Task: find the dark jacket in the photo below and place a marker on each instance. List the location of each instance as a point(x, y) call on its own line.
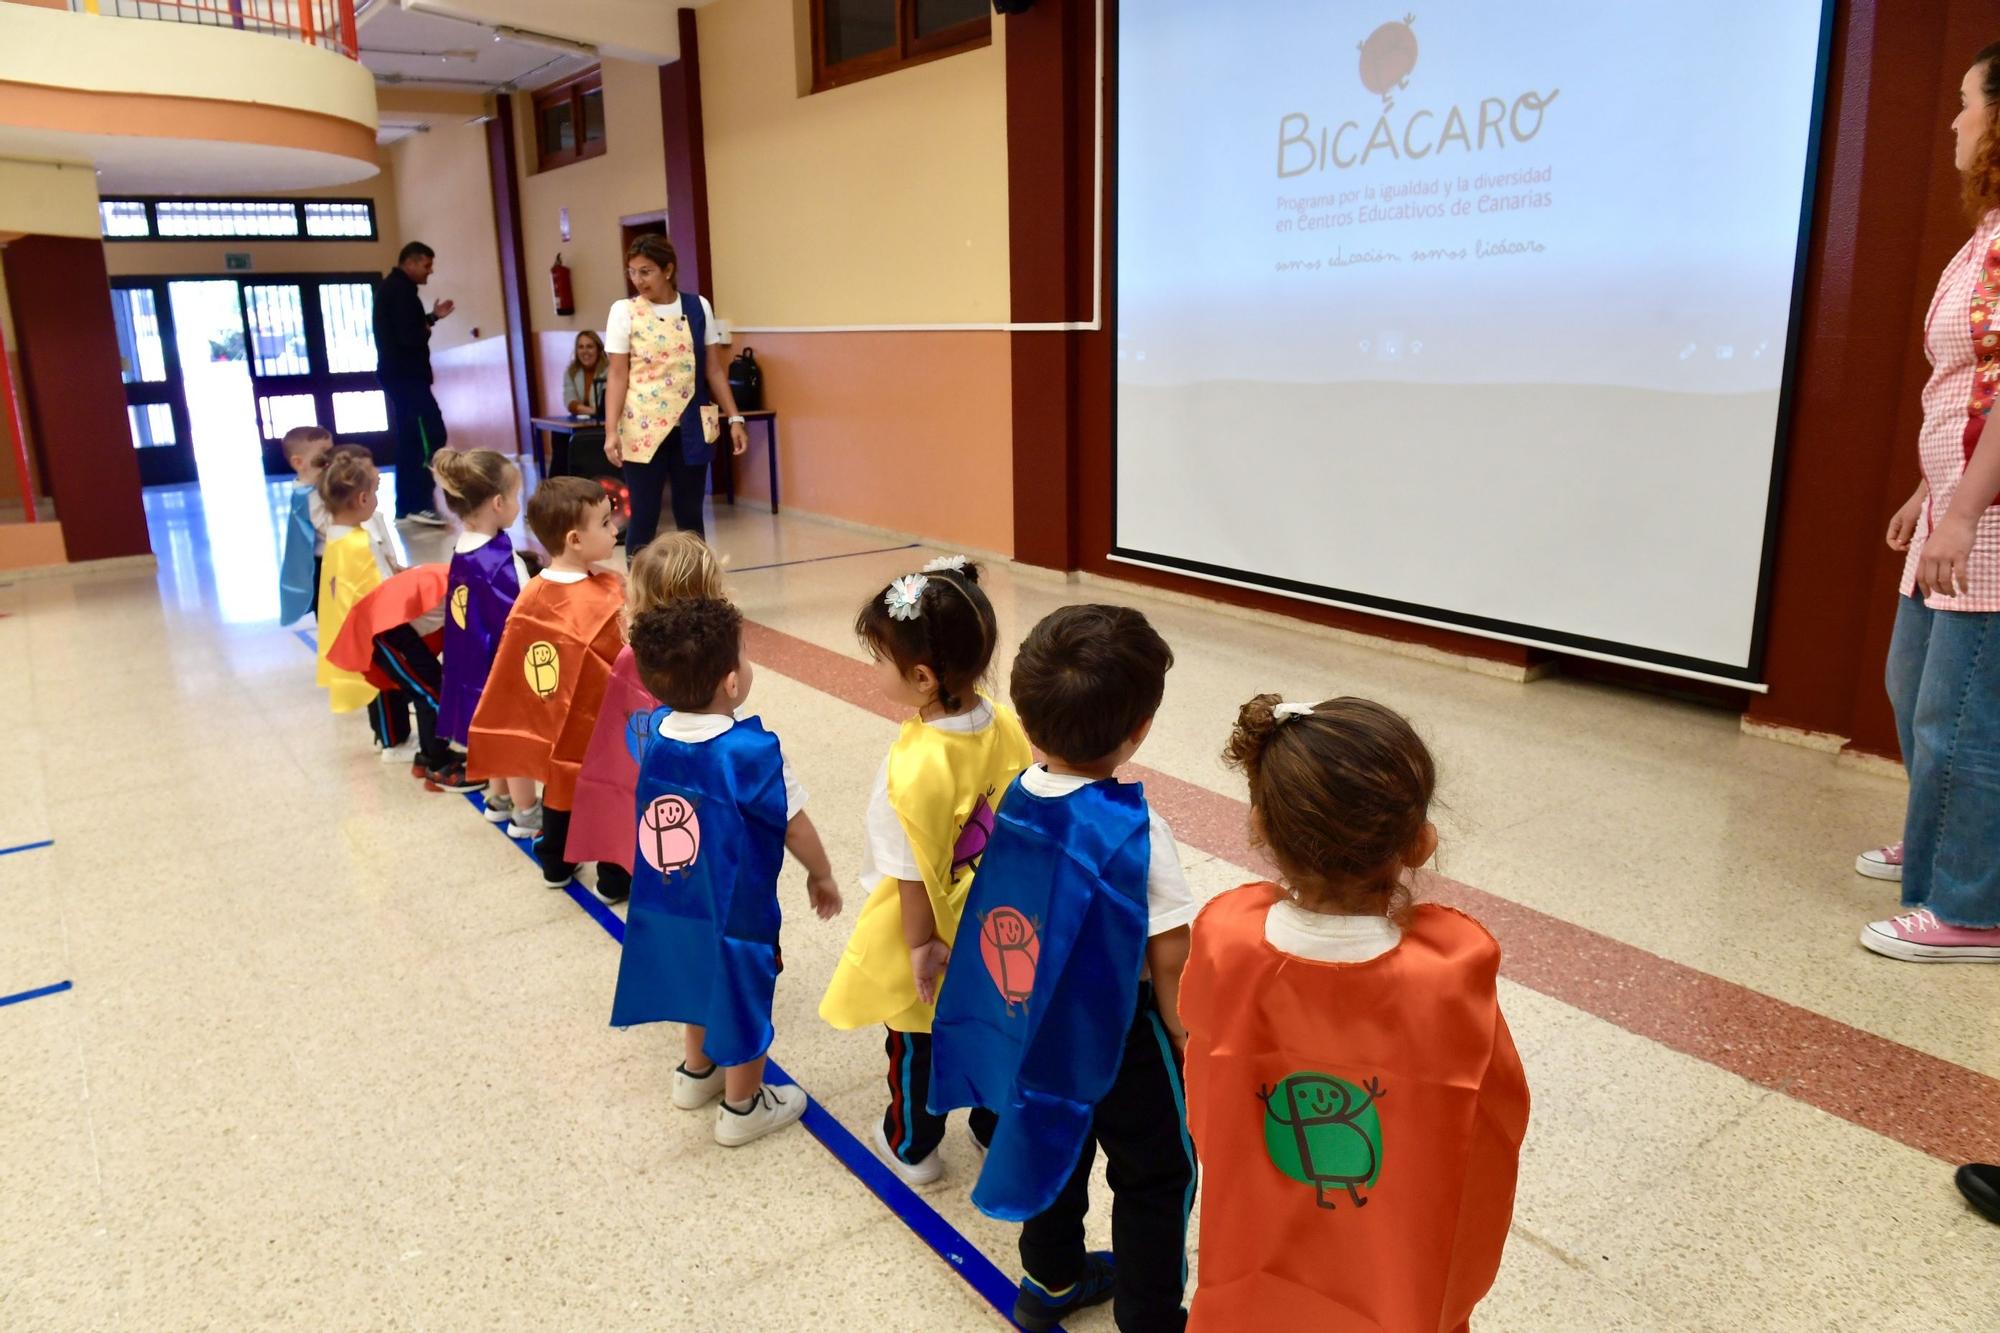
point(402, 331)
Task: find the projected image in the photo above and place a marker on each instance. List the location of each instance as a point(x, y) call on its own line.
point(1474, 314)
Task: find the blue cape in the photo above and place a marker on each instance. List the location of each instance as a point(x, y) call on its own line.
point(701, 929)
point(1032, 1017)
point(295, 568)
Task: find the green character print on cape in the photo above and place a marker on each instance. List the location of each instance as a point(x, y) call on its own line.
point(1325, 1132)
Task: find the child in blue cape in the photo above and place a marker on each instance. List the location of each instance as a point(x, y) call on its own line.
point(1060, 1006)
point(714, 815)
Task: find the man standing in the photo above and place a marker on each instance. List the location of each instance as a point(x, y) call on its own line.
point(403, 364)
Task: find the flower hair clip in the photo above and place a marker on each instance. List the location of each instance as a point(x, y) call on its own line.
point(905, 597)
point(954, 564)
point(1286, 712)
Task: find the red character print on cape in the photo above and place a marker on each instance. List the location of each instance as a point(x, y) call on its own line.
point(972, 839)
point(1388, 58)
point(669, 834)
point(1011, 950)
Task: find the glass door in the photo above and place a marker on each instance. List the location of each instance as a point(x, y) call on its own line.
point(312, 361)
point(155, 398)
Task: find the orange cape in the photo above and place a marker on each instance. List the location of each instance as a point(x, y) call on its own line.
point(540, 703)
point(1359, 1125)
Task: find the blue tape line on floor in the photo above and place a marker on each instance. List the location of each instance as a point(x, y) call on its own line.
point(816, 559)
point(307, 638)
point(28, 847)
point(56, 989)
point(965, 1259)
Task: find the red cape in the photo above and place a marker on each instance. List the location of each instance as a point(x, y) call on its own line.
point(540, 703)
point(397, 600)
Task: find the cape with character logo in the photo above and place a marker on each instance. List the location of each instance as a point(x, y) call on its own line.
point(1359, 1124)
point(549, 673)
point(942, 785)
point(701, 930)
point(484, 587)
point(1032, 1018)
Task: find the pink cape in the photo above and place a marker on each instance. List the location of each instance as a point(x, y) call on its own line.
point(602, 825)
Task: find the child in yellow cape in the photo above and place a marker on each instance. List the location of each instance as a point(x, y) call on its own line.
point(932, 635)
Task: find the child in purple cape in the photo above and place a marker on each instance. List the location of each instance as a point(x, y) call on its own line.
point(484, 490)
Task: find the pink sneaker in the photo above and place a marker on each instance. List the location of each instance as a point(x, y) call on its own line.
point(1882, 863)
point(1919, 937)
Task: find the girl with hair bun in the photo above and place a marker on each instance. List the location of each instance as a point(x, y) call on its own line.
point(1346, 1049)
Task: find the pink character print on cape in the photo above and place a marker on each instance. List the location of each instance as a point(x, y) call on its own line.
point(670, 834)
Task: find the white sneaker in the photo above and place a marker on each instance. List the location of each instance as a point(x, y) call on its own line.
point(429, 518)
point(925, 1172)
point(692, 1092)
point(499, 810)
point(406, 753)
point(526, 823)
point(770, 1110)
point(1882, 863)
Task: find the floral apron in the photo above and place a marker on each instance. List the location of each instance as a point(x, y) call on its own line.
point(665, 388)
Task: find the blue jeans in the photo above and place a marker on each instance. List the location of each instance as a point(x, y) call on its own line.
point(1944, 683)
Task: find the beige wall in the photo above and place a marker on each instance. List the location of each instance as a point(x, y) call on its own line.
point(630, 178)
point(444, 198)
point(884, 202)
point(134, 258)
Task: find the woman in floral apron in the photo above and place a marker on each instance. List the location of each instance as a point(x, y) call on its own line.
point(667, 394)
point(1944, 656)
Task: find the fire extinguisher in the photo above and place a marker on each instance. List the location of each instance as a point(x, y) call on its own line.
point(559, 279)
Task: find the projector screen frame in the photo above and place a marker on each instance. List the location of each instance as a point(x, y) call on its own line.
point(1748, 677)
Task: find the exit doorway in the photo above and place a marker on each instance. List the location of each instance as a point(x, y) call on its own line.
point(216, 370)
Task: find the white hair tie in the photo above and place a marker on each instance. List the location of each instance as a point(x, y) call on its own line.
point(953, 563)
point(1286, 712)
point(905, 597)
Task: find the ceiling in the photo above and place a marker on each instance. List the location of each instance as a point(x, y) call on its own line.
point(134, 164)
point(404, 48)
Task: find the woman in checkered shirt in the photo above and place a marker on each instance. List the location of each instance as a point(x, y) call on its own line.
point(1944, 658)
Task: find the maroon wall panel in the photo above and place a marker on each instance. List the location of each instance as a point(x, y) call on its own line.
point(522, 373)
point(74, 396)
point(687, 164)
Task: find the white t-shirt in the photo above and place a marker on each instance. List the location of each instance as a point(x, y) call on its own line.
point(564, 575)
point(1329, 939)
point(1170, 902)
point(697, 728)
point(887, 853)
point(618, 324)
point(468, 542)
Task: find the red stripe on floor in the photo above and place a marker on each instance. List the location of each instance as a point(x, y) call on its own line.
point(1931, 1104)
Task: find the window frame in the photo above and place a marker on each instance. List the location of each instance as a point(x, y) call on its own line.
point(150, 203)
point(909, 50)
point(572, 91)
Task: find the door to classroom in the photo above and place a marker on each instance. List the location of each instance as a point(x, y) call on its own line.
point(218, 369)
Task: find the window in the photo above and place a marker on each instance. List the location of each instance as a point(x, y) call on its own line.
point(858, 39)
point(569, 121)
point(237, 219)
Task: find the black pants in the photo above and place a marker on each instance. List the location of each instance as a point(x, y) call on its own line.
point(420, 433)
point(318, 563)
point(665, 472)
point(1142, 1126)
point(402, 655)
point(554, 842)
point(912, 1131)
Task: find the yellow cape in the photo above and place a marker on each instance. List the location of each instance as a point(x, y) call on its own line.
point(936, 780)
point(348, 573)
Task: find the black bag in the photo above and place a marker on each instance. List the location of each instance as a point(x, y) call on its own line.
point(746, 381)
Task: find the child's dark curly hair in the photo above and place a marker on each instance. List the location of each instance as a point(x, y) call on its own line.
point(1341, 795)
point(686, 649)
point(953, 632)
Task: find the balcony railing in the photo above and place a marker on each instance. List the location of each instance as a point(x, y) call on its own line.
point(322, 23)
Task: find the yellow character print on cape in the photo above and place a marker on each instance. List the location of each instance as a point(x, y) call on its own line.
point(458, 600)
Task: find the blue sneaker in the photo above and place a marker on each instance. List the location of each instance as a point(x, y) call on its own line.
point(1037, 1311)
